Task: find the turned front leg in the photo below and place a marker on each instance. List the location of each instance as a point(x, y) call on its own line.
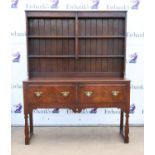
point(31, 122)
point(27, 135)
point(126, 137)
point(121, 121)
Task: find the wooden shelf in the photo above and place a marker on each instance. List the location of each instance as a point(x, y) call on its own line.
point(50, 37)
point(73, 37)
point(101, 37)
point(51, 56)
point(79, 44)
point(73, 56)
point(101, 56)
point(75, 74)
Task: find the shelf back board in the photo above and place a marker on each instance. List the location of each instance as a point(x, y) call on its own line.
point(76, 43)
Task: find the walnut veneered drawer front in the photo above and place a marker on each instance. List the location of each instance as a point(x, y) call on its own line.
point(51, 95)
point(102, 93)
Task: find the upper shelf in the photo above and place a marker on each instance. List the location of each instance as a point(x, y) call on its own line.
point(72, 14)
point(72, 37)
point(73, 56)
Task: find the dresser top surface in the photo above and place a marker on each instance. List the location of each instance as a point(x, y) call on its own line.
point(76, 79)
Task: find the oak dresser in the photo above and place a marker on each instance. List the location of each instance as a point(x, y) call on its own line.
point(76, 60)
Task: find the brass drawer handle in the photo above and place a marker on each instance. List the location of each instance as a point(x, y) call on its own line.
point(88, 93)
point(65, 93)
point(38, 93)
point(115, 92)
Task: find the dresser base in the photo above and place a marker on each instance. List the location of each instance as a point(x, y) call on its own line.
point(77, 94)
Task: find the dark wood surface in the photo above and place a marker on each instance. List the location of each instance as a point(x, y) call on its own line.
point(76, 60)
point(88, 44)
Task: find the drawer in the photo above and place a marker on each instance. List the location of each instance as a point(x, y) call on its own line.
point(56, 95)
point(102, 93)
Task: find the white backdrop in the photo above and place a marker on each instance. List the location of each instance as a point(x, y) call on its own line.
point(134, 62)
